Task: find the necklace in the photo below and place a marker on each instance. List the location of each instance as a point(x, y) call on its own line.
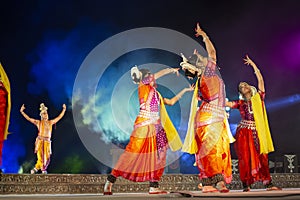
point(249, 107)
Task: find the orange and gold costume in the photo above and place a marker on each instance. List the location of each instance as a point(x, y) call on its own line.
point(43, 140)
point(144, 158)
point(43, 143)
point(208, 135)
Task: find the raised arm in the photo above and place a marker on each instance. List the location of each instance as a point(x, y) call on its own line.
point(208, 44)
point(34, 121)
point(55, 120)
point(165, 72)
point(172, 101)
point(261, 84)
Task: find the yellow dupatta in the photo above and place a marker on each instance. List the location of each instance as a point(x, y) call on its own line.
point(190, 144)
point(230, 136)
point(6, 84)
point(174, 140)
point(262, 125)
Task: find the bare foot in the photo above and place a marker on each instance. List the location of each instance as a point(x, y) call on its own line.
point(208, 189)
point(221, 187)
point(107, 188)
point(154, 190)
point(273, 188)
point(200, 186)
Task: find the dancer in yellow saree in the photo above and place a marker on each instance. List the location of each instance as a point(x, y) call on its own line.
point(208, 135)
point(144, 158)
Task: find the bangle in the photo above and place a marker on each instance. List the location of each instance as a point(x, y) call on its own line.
point(204, 38)
point(256, 71)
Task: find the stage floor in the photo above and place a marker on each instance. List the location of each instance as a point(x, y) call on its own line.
point(258, 194)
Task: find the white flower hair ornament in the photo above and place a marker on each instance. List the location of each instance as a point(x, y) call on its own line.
point(187, 66)
point(135, 74)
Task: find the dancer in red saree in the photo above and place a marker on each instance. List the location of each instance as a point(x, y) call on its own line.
point(5, 106)
point(253, 138)
point(144, 158)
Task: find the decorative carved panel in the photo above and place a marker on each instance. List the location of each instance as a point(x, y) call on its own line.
point(93, 183)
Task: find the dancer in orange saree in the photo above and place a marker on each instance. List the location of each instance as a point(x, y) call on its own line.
point(5, 106)
point(253, 138)
point(144, 158)
point(208, 135)
point(43, 140)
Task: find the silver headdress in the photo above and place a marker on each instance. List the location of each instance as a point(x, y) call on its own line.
point(186, 65)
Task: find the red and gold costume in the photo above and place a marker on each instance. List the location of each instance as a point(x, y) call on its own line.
point(144, 158)
point(208, 133)
point(253, 140)
point(5, 106)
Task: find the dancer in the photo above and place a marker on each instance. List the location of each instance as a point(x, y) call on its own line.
point(208, 135)
point(5, 106)
point(43, 140)
point(144, 158)
point(253, 138)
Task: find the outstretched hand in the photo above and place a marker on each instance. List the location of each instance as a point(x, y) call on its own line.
point(176, 71)
point(199, 31)
point(22, 108)
point(64, 106)
point(191, 88)
point(184, 59)
point(196, 52)
point(248, 61)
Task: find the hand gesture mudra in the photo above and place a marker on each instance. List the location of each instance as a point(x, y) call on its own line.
point(248, 61)
point(191, 88)
point(176, 71)
point(22, 108)
point(199, 31)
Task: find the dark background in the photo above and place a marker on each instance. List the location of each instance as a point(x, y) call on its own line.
point(43, 43)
